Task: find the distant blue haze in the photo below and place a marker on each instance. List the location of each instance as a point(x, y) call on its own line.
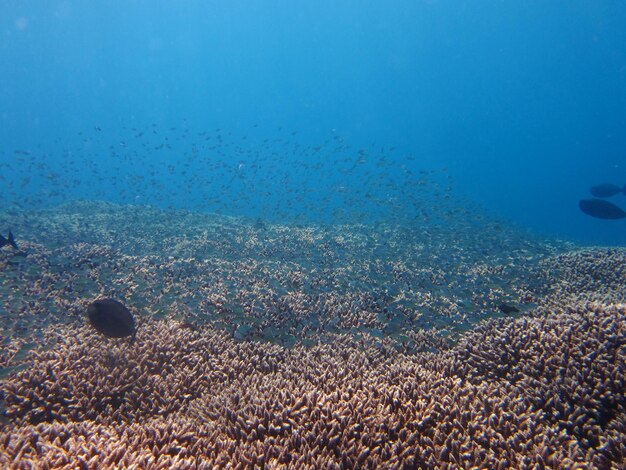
point(524, 102)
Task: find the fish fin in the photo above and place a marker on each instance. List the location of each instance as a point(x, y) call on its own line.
point(12, 241)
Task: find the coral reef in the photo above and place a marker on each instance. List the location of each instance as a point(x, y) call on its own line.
point(276, 283)
point(276, 346)
point(543, 392)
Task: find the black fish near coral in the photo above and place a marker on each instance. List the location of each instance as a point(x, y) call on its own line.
point(505, 308)
point(606, 190)
point(10, 240)
point(601, 209)
point(112, 318)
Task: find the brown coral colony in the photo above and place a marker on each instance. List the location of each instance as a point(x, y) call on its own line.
point(545, 391)
point(302, 366)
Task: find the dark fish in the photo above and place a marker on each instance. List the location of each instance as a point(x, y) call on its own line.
point(8, 241)
point(607, 190)
point(189, 325)
point(111, 318)
point(601, 209)
point(505, 308)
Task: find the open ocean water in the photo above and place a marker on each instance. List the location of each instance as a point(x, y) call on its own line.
point(287, 234)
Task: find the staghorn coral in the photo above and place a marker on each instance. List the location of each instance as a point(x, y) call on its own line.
point(570, 366)
point(596, 275)
point(279, 283)
point(534, 392)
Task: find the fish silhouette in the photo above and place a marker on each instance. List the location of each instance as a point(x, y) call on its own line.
point(606, 190)
point(112, 318)
point(10, 240)
point(601, 209)
point(506, 308)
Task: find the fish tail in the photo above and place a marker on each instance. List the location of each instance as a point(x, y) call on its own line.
point(12, 241)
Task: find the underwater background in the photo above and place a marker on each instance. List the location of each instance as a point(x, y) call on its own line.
point(331, 234)
point(521, 103)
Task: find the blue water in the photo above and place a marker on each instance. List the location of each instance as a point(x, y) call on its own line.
point(515, 106)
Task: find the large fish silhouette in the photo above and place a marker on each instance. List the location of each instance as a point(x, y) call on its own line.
point(606, 190)
point(601, 209)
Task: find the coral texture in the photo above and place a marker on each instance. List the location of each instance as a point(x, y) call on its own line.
point(544, 392)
